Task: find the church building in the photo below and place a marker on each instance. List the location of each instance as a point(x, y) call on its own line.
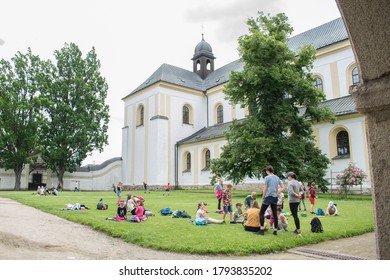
point(174, 121)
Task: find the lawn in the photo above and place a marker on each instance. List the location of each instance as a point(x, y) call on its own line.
point(165, 233)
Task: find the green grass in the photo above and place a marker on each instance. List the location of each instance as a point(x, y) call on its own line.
point(164, 233)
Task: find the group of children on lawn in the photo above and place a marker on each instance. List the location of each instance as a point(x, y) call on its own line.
point(134, 206)
point(251, 217)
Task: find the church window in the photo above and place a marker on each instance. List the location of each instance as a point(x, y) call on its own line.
point(140, 115)
point(186, 115)
point(187, 162)
point(355, 76)
point(318, 83)
point(219, 114)
point(207, 160)
point(342, 140)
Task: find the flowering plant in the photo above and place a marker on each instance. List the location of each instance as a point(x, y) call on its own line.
point(351, 176)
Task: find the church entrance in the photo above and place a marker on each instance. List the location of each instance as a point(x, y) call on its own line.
point(36, 181)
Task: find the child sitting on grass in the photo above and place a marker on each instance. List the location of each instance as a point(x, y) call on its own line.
point(238, 215)
point(139, 213)
point(282, 221)
point(121, 212)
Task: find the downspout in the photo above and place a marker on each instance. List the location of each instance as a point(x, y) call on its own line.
point(207, 108)
point(176, 166)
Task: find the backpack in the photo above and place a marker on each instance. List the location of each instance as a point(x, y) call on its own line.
point(177, 214)
point(200, 222)
point(165, 211)
point(316, 225)
point(320, 212)
point(180, 214)
point(184, 214)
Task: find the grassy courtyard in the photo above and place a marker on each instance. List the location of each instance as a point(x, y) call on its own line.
point(165, 233)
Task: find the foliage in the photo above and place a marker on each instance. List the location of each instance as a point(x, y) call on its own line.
point(276, 87)
point(350, 177)
point(20, 111)
point(164, 233)
point(77, 115)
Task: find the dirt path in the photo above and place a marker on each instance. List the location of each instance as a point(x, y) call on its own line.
point(35, 238)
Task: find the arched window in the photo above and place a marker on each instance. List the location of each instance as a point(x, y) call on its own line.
point(318, 83)
point(188, 162)
point(186, 115)
point(140, 115)
point(219, 114)
point(355, 76)
point(342, 140)
point(207, 160)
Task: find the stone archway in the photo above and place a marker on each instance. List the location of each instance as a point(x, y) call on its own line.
point(367, 23)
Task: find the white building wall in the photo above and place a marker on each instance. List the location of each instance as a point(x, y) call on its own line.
point(338, 62)
point(358, 146)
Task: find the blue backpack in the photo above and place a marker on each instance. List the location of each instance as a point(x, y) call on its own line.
point(320, 212)
point(200, 222)
point(165, 211)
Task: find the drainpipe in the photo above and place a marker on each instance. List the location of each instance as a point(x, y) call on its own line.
point(207, 108)
point(176, 166)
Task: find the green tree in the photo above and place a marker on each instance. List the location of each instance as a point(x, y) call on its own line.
point(20, 111)
point(276, 86)
point(77, 115)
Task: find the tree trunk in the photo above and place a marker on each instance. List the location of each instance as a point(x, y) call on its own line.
point(61, 171)
point(18, 175)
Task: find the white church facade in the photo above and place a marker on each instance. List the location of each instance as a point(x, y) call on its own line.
point(174, 121)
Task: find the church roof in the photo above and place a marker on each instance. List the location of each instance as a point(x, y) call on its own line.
point(319, 37)
point(339, 106)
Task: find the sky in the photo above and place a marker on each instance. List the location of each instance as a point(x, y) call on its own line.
point(133, 38)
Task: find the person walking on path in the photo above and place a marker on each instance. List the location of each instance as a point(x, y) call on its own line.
point(273, 186)
point(294, 198)
point(312, 198)
point(218, 192)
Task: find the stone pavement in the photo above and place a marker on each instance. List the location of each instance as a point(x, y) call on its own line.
point(42, 236)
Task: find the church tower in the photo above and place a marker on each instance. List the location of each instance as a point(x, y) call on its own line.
point(203, 59)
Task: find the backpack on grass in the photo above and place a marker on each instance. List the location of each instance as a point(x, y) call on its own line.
point(180, 214)
point(320, 212)
point(166, 211)
point(200, 222)
point(316, 225)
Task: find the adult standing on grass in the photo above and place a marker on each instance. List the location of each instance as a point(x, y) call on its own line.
point(145, 187)
point(312, 198)
point(294, 199)
point(119, 188)
point(218, 192)
point(273, 186)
